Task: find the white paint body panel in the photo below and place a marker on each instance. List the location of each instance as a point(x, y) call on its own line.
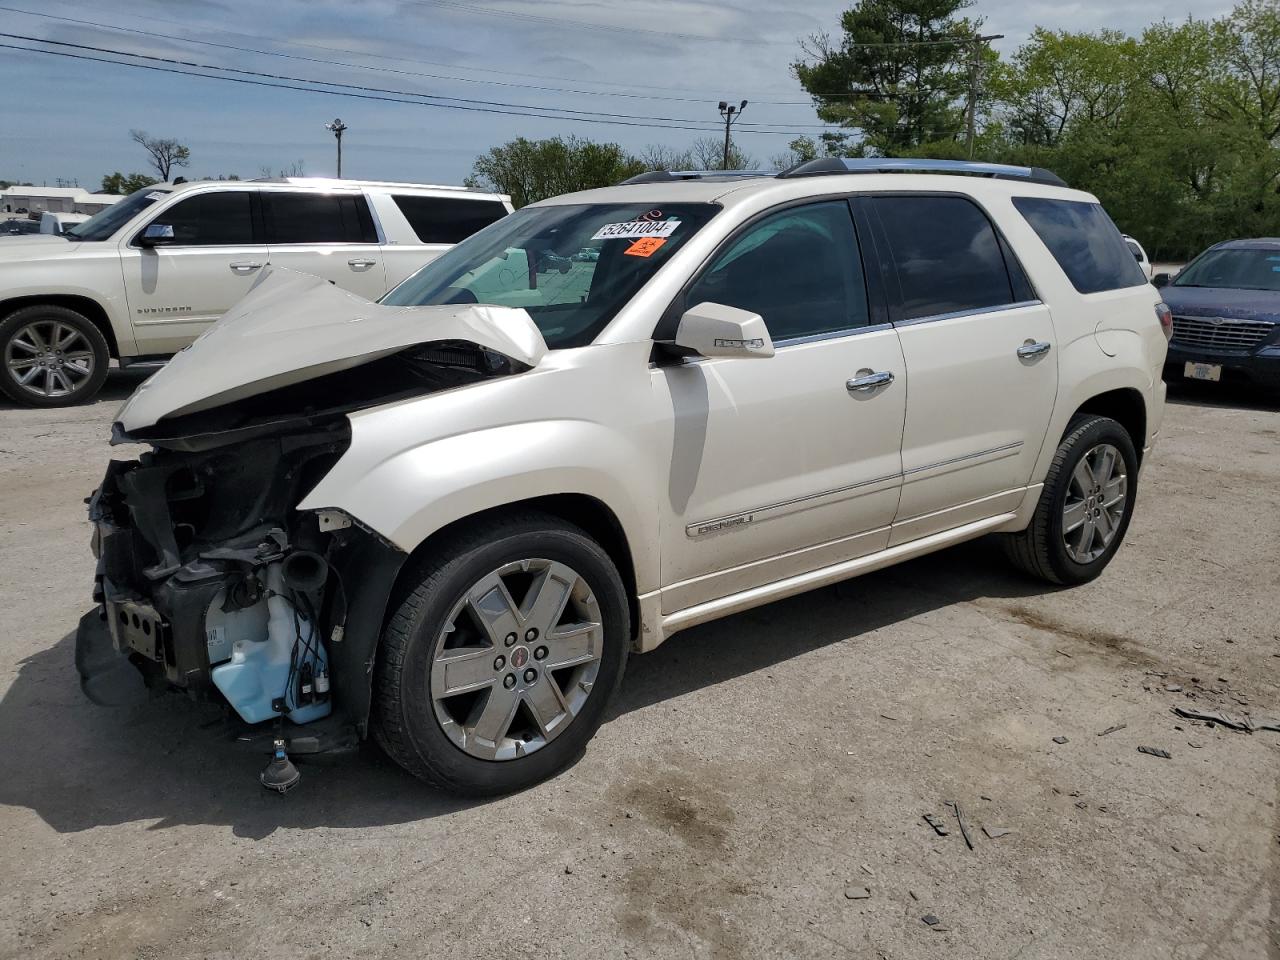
point(734, 481)
point(156, 301)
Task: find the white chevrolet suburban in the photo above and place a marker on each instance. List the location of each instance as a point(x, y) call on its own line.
point(447, 518)
point(143, 278)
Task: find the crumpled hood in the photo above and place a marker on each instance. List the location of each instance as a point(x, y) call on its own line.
point(293, 327)
point(1222, 302)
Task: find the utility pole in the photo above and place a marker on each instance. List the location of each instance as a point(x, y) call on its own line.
point(337, 126)
point(975, 67)
point(729, 113)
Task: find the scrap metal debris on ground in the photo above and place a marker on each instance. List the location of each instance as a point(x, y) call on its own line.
point(939, 827)
point(1232, 721)
point(1156, 752)
point(964, 826)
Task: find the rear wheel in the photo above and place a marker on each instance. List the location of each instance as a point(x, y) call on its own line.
point(52, 356)
point(1085, 507)
point(497, 667)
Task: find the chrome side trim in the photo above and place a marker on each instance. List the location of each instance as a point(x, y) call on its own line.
point(735, 603)
point(977, 311)
point(1008, 447)
point(833, 335)
point(704, 527)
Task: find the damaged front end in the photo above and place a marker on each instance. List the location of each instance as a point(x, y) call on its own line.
point(209, 580)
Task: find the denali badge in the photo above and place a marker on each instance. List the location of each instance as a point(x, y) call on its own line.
point(714, 526)
point(755, 343)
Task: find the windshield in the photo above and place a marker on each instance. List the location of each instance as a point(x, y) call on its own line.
point(571, 267)
point(108, 220)
point(1241, 269)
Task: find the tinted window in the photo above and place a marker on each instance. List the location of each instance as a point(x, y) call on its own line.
point(110, 219)
point(317, 218)
point(947, 255)
point(799, 269)
point(448, 219)
point(1084, 241)
point(572, 267)
point(210, 219)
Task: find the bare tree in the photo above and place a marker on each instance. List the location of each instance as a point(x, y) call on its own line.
point(296, 169)
point(165, 153)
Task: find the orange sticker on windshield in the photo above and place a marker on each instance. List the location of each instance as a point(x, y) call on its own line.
point(645, 247)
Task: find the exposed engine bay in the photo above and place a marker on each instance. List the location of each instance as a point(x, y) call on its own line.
point(210, 582)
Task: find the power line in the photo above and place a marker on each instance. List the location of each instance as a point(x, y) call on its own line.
point(451, 77)
point(368, 89)
point(378, 56)
point(676, 124)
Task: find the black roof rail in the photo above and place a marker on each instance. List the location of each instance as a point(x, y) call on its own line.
point(829, 166)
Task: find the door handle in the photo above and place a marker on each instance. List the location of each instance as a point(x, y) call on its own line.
point(867, 383)
point(1032, 349)
point(358, 262)
point(244, 266)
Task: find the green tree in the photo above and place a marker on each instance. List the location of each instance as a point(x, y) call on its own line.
point(532, 170)
point(898, 76)
point(125, 183)
point(166, 153)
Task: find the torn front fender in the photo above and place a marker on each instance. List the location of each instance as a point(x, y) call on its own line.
point(293, 327)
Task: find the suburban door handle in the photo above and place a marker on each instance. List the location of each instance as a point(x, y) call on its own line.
point(1032, 349)
point(869, 382)
point(244, 266)
point(360, 262)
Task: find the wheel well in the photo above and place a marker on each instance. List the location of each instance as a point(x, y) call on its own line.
point(596, 519)
point(1124, 406)
point(85, 305)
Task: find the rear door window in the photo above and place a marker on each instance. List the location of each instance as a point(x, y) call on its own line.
point(211, 219)
point(317, 218)
point(1088, 247)
point(447, 219)
point(947, 256)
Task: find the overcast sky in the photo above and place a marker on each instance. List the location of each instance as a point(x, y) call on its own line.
point(665, 61)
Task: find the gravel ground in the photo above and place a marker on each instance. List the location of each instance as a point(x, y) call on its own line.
point(754, 773)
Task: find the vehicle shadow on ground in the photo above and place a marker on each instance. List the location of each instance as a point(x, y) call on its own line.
point(77, 765)
point(120, 383)
point(1222, 395)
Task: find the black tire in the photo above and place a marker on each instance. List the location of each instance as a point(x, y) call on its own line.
point(1040, 550)
point(83, 388)
point(404, 718)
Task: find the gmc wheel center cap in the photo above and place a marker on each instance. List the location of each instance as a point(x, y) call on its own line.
point(519, 657)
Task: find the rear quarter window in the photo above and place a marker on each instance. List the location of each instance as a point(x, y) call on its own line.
point(1088, 247)
point(447, 219)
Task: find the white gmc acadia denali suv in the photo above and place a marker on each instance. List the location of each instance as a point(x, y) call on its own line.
point(447, 518)
point(145, 277)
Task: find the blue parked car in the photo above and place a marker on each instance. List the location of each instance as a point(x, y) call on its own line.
point(1226, 314)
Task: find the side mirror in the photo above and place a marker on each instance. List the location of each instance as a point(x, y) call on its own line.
point(1161, 280)
point(716, 330)
point(156, 234)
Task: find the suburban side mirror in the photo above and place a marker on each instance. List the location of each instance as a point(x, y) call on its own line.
point(717, 330)
point(1161, 280)
point(156, 234)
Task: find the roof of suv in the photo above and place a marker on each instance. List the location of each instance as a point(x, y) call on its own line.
point(329, 183)
point(740, 189)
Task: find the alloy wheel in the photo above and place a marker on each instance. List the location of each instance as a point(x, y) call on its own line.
point(1097, 498)
point(49, 358)
point(516, 659)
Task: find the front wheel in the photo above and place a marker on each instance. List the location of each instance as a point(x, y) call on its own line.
point(496, 669)
point(1084, 508)
point(53, 356)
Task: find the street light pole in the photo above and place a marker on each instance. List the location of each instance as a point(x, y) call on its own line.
point(729, 113)
point(337, 126)
point(975, 65)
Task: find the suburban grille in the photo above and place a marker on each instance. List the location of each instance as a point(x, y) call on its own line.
point(1219, 332)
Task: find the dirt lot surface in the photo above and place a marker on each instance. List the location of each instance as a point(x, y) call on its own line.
point(755, 773)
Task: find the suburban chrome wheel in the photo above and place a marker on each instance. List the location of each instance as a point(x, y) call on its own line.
point(1096, 501)
point(49, 358)
point(516, 659)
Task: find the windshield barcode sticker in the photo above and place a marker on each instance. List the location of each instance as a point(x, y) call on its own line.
point(634, 229)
